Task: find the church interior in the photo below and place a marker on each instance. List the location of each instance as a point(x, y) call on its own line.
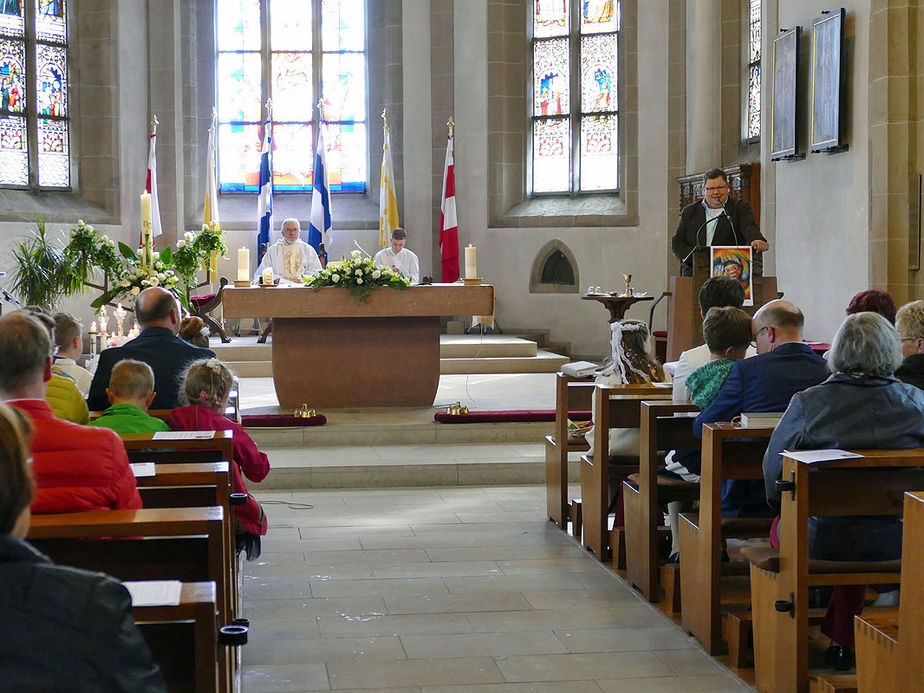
point(406, 555)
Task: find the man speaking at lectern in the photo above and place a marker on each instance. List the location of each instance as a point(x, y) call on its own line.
point(717, 220)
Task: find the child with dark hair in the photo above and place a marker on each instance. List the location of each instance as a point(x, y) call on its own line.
point(206, 386)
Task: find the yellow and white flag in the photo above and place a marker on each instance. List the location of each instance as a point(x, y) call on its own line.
point(388, 201)
point(210, 209)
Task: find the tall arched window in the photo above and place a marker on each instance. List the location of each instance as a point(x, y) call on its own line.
point(575, 111)
point(34, 123)
point(752, 114)
point(293, 52)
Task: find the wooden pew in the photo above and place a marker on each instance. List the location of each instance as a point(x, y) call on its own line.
point(570, 394)
point(889, 650)
point(187, 544)
point(870, 485)
point(644, 495)
point(616, 407)
point(730, 451)
point(184, 638)
point(190, 485)
point(143, 447)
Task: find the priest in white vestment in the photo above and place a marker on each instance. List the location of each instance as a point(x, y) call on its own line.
point(399, 257)
point(290, 257)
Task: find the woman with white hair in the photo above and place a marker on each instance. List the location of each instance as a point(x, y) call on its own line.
point(861, 405)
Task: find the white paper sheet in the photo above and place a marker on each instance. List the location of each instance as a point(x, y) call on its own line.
point(813, 456)
point(140, 469)
point(182, 435)
point(154, 592)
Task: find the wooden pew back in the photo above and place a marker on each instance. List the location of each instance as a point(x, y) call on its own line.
point(143, 447)
point(571, 394)
point(729, 452)
point(615, 407)
point(660, 431)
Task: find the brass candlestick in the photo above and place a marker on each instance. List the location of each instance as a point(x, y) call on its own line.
point(628, 279)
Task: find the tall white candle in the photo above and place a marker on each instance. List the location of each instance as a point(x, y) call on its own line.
point(147, 250)
point(471, 267)
point(243, 264)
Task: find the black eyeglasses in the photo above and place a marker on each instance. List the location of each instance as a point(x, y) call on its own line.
point(754, 336)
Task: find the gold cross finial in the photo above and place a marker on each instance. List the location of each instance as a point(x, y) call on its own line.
point(269, 109)
point(154, 122)
point(452, 124)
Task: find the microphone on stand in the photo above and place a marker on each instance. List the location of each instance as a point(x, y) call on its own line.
point(356, 243)
point(696, 237)
point(734, 230)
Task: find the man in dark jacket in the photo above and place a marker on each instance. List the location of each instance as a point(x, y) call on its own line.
point(158, 314)
point(784, 365)
point(717, 220)
point(909, 321)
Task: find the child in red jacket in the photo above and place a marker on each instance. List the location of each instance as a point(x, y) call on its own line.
point(206, 387)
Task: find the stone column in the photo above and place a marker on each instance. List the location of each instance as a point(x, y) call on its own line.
point(704, 84)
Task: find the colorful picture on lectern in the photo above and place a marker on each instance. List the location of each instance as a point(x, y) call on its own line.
point(735, 262)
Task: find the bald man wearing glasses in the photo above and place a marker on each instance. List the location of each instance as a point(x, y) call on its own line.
point(717, 220)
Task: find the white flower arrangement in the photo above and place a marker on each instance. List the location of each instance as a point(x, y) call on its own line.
point(357, 275)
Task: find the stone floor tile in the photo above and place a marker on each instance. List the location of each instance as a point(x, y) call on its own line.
point(481, 644)
point(414, 672)
point(571, 667)
point(404, 587)
point(545, 687)
point(267, 651)
point(666, 637)
point(491, 602)
point(719, 683)
point(274, 678)
point(412, 624)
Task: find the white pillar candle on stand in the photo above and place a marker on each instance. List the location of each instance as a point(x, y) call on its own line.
point(243, 264)
point(471, 268)
point(147, 249)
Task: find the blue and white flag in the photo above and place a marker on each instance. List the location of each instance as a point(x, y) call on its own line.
point(319, 225)
point(265, 200)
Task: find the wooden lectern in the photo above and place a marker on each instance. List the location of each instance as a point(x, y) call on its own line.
point(685, 324)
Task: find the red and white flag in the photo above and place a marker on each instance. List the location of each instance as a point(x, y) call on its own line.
point(449, 227)
point(150, 186)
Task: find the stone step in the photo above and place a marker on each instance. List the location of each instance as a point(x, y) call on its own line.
point(393, 433)
point(543, 362)
point(451, 346)
point(403, 466)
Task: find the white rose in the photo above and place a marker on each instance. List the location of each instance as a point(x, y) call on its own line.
point(145, 282)
point(158, 265)
point(154, 281)
point(359, 281)
point(376, 274)
point(126, 283)
point(335, 278)
point(81, 223)
point(104, 238)
point(358, 273)
point(356, 254)
point(180, 243)
point(111, 243)
point(135, 291)
point(190, 236)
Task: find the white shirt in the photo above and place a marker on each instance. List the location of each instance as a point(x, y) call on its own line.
point(405, 262)
point(711, 216)
point(80, 375)
point(689, 361)
point(289, 261)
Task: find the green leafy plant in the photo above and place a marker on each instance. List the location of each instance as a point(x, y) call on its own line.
point(193, 251)
point(89, 250)
point(358, 276)
point(44, 273)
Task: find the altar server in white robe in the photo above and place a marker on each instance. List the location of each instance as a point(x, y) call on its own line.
point(290, 257)
point(399, 257)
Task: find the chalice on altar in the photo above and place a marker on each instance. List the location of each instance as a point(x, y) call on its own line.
point(628, 278)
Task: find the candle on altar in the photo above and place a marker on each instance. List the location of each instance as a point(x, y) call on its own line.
point(268, 276)
point(93, 329)
point(102, 320)
point(243, 264)
point(471, 268)
point(147, 240)
point(120, 314)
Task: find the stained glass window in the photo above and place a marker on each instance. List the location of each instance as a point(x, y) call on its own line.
point(292, 52)
point(753, 70)
point(575, 106)
point(34, 94)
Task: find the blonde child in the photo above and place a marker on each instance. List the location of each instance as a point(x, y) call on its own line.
point(206, 386)
point(130, 393)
